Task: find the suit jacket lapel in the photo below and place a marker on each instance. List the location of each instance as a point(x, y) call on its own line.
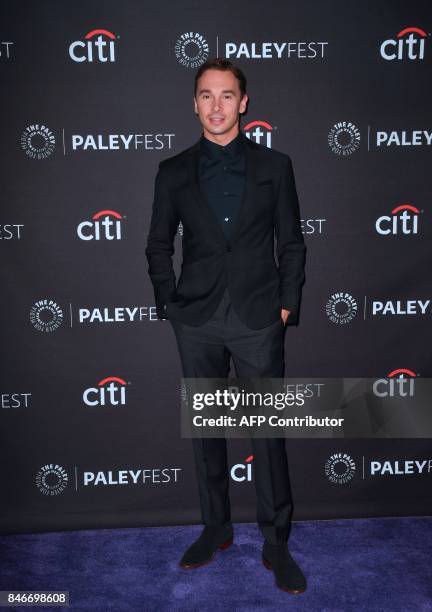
point(251, 173)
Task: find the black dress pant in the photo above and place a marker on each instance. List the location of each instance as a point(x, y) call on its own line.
point(205, 352)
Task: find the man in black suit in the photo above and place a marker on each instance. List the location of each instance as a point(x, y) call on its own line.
point(233, 197)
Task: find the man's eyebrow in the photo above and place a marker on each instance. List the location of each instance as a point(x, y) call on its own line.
point(223, 91)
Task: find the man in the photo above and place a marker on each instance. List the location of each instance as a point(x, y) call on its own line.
point(233, 196)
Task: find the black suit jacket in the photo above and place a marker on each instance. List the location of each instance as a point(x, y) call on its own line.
point(259, 286)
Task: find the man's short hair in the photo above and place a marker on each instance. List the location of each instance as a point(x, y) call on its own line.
point(219, 63)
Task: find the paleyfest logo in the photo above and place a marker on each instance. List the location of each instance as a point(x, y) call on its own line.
point(52, 479)
point(344, 138)
point(191, 49)
point(46, 315)
point(38, 141)
point(98, 45)
point(408, 44)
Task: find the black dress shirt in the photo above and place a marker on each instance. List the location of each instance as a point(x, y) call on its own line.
point(222, 176)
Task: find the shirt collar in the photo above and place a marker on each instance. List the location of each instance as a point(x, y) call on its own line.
point(217, 151)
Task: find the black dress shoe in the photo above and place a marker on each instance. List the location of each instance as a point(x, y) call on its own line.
point(289, 576)
point(204, 548)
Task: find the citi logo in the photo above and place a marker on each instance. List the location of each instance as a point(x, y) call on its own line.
point(110, 391)
point(403, 219)
point(398, 383)
point(98, 45)
point(105, 225)
point(260, 132)
point(409, 44)
point(241, 472)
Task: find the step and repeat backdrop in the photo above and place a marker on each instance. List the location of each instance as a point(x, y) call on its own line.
point(94, 95)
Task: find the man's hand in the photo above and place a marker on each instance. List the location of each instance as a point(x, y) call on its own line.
point(285, 314)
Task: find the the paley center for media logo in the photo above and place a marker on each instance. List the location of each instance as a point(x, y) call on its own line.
point(344, 138)
point(191, 49)
point(341, 308)
point(46, 315)
point(340, 468)
point(51, 479)
point(38, 141)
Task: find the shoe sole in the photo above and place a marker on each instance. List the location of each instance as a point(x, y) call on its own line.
point(223, 546)
point(268, 566)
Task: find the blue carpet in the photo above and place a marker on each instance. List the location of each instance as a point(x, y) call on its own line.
point(351, 565)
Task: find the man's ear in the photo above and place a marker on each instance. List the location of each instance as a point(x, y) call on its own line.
point(243, 103)
point(195, 106)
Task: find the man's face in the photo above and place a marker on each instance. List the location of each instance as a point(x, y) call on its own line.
point(218, 102)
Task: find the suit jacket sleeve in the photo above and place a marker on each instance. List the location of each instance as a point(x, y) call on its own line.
point(160, 244)
point(290, 247)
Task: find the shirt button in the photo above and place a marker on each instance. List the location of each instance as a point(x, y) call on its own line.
point(226, 218)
